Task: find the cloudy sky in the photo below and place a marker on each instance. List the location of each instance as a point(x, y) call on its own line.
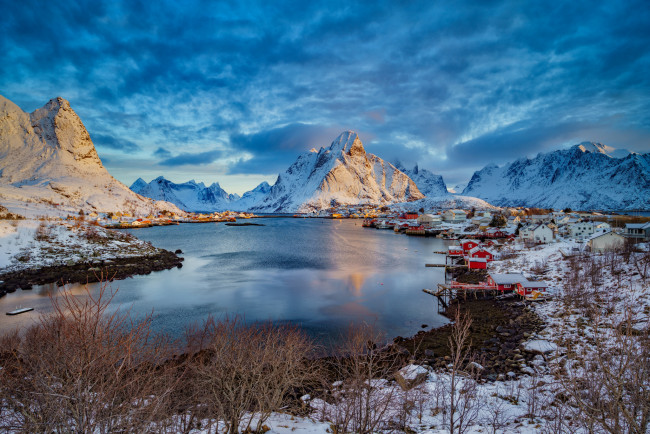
point(233, 91)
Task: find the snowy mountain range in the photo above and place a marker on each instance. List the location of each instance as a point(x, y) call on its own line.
point(48, 165)
point(585, 176)
point(341, 174)
point(196, 197)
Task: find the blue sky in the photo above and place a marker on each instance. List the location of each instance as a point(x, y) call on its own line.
point(234, 91)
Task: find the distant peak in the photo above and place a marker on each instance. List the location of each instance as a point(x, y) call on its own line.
point(594, 147)
point(348, 141)
point(159, 179)
point(313, 150)
point(263, 187)
point(139, 183)
point(599, 148)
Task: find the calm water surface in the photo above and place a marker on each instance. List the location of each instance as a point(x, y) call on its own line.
point(320, 274)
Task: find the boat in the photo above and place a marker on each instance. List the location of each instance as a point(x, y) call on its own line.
point(21, 310)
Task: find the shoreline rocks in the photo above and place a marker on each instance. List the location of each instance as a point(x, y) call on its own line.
point(499, 329)
point(90, 271)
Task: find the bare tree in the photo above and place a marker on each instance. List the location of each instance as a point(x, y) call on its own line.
point(462, 402)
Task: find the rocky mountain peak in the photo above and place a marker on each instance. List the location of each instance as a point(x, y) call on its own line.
point(59, 126)
point(348, 142)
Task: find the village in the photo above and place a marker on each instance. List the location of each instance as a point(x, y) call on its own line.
point(125, 220)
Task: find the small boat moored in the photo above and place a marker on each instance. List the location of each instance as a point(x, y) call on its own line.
point(21, 310)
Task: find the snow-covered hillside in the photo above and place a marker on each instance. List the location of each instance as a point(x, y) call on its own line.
point(48, 165)
point(586, 176)
point(340, 174)
point(188, 196)
point(447, 201)
point(428, 182)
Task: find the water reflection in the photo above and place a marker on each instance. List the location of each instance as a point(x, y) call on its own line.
point(321, 274)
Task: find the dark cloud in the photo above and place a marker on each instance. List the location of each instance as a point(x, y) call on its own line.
point(275, 149)
point(191, 159)
point(162, 153)
point(112, 142)
point(450, 87)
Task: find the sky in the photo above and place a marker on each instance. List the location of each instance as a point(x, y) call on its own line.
point(233, 91)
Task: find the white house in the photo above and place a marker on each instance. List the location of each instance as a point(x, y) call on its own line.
point(601, 242)
point(429, 220)
point(454, 216)
point(541, 233)
point(602, 227)
point(538, 218)
point(581, 230)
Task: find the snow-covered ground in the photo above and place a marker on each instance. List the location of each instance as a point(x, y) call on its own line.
point(40, 243)
point(530, 403)
point(591, 297)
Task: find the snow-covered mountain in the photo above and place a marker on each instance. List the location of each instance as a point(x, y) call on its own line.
point(188, 196)
point(48, 165)
point(428, 182)
point(251, 198)
point(343, 173)
point(585, 176)
point(457, 189)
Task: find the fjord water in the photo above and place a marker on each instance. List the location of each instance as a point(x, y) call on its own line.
point(319, 274)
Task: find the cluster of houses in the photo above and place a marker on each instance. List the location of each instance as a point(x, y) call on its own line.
point(477, 256)
point(599, 236)
point(125, 220)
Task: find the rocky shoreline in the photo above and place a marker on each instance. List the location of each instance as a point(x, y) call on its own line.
point(498, 330)
point(90, 271)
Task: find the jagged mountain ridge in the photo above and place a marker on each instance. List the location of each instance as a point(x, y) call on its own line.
point(342, 174)
point(49, 165)
point(196, 197)
point(585, 176)
point(429, 184)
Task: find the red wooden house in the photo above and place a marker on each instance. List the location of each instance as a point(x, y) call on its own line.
point(532, 290)
point(481, 252)
point(505, 281)
point(409, 216)
point(495, 233)
point(477, 263)
point(469, 245)
point(455, 251)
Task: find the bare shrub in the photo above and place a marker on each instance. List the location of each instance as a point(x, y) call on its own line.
point(43, 232)
point(246, 372)
point(497, 415)
point(360, 402)
point(83, 369)
point(610, 382)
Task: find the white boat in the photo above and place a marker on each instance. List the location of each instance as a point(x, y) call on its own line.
point(21, 310)
point(384, 224)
